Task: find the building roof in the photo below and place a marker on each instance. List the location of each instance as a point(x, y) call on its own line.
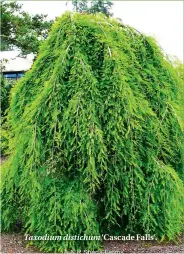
point(12, 62)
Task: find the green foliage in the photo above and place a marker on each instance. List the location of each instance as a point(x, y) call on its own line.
point(98, 137)
point(95, 6)
point(179, 68)
point(21, 30)
point(6, 86)
point(5, 137)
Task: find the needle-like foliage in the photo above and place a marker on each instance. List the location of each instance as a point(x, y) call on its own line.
point(98, 141)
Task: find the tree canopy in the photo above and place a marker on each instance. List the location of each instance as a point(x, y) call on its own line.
point(95, 6)
point(20, 30)
point(98, 141)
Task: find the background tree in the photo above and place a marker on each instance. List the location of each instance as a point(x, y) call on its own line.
point(20, 30)
point(94, 6)
point(101, 6)
point(179, 68)
point(80, 5)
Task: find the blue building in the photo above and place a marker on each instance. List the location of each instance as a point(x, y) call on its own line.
point(13, 75)
point(14, 66)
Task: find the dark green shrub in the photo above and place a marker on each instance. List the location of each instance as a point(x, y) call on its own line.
point(6, 86)
point(99, 141)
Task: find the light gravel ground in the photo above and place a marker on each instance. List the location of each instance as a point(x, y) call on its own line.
point(15, 243)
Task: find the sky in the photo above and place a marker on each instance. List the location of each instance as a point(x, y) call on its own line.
point(161, 19)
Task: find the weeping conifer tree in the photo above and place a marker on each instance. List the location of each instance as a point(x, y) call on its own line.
point(98, 141)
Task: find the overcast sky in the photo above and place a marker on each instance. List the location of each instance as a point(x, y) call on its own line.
point(161, 19)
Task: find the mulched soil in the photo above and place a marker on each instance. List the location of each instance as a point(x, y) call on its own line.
point(15, 243)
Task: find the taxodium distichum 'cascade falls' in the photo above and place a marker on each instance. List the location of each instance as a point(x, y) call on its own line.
point(98, 138)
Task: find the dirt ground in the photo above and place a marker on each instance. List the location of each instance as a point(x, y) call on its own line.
point(15, 243)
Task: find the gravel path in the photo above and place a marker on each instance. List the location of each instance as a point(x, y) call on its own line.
point(143, 247)
point(14, 243)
